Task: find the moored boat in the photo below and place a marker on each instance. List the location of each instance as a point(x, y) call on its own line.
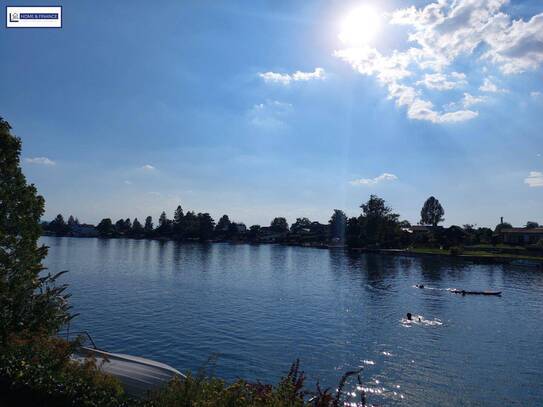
point(137, 375)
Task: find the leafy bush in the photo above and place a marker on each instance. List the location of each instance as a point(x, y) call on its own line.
point(456, 250)
point(39, 371)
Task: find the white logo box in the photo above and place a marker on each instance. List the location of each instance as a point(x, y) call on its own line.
point(34, 17)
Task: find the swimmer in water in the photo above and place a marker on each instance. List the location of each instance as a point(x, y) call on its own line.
point(420, 286)
point(410, 317)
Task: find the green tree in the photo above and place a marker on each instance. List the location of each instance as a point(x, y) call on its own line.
point(279, 225)
point(120, 227)
point(254, 232)
point(432, 212)
point(532, 225)
point(378, 225)
point(59, 226)
point(105, 228)
point(353, 232)
point(223, 224)
point(192, 226)
point(164, 225)
point(137, 228)
point(301, 223)
point(72, 221)
point(178, 220)
point(206, 225)
point(148, 228)
point(29, 300)
point(338, 224)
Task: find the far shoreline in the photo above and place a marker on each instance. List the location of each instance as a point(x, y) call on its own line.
point(479, 257)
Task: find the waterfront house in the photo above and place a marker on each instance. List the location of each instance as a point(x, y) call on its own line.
point(83, 230)
point(522, 235)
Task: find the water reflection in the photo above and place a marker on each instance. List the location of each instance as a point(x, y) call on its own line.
point(261, 307)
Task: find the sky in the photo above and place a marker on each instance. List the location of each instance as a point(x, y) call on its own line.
point(260, 109)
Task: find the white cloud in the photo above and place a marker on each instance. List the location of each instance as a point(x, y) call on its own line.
point(127, 182)
point(536, 94)
point(297, 76)
point(534, 179)
point(518, 47)
point(40, 161)
point(374, 181)
point(440, 81)
point(391, 71)
point(490, 87)
point(270, 115)
point(148, 167)
point(470, 100)
point(441, 32)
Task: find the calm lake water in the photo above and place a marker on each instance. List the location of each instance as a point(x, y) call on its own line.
point(255, 309)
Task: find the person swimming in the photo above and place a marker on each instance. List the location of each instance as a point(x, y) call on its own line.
point(419, 285)
point(410, 317)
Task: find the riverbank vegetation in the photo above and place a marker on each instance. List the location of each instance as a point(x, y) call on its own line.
point(377, 227)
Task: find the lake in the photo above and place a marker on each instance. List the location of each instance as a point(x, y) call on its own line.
point(250, 311)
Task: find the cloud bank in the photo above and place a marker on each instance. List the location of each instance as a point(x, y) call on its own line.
point(385, 177)
point(534, 179)
point(286, 79)
point(437, 36)
point(40, 161)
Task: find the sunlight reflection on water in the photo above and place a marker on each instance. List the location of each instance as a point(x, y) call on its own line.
point(261, 307)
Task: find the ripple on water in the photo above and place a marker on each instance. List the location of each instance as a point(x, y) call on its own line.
point(260, 307)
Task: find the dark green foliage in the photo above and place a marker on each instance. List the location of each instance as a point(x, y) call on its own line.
point(36, 370)
point(206, 226)
point(72, 222)
point(105, 228)
point(301, 223)
point(279, 225)
point(532, 225)
point(223, 224)
point(253, 233)
point(148, 228)
point(164, 228)
point(338, 224)
point(377, 227)
point(28, 299)
point(178, 223)
point(191, 226)
point(137, 228)
point(58, 226)
point(289, 392)
point(432, 212)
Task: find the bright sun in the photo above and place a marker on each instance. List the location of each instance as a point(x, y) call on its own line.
point(359, 26)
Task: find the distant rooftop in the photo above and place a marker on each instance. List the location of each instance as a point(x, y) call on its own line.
point(523, 230)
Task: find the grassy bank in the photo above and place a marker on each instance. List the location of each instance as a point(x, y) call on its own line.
point(472, 254)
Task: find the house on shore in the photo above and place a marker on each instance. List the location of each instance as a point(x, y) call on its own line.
point(83, 230)
point(522, 235)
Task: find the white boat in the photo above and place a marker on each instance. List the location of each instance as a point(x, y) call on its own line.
point(137, 375)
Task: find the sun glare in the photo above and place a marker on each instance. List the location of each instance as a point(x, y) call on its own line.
point(360, 26)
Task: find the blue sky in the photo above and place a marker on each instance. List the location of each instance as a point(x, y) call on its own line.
point(259, 109)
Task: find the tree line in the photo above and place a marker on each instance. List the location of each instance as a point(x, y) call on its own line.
point(377, 226)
